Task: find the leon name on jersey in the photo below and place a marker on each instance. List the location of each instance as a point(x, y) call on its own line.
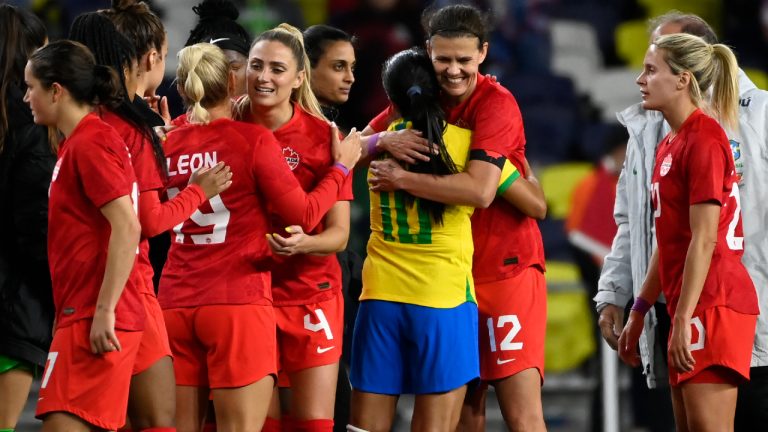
point(189, 163)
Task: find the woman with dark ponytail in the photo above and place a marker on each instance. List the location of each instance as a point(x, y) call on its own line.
point(93, 238)
point(152, 396)
point(417, 278)
point(136, 21)
point(26, 164)
point(218, 25)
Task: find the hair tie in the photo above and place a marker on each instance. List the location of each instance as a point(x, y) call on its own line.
point(413, 90)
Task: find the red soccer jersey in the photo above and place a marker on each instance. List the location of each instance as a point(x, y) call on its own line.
point(696, 167)
point(94, 168)
point(506, 240)
point(220, 254)
point(147, 177)
point(305, 279)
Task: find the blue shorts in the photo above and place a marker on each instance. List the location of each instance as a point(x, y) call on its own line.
point(400, 348)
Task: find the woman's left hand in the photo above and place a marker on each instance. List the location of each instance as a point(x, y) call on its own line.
point(293, 245)
point(680, 356)
point(386, 175)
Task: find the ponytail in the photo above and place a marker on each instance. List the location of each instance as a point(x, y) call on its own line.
point(203, 73)
point(725, 91)
point(712, 67)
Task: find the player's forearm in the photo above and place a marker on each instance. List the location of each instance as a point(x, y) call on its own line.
point(456, 189)
point(697, 262)
point(652, 283)
point(158, 217)
point(331, 240)
point(121, 256)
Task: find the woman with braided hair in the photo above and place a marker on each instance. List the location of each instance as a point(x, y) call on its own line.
point(152, 403)
point(217, 24)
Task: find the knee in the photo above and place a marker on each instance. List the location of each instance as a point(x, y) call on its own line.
point(526, 422)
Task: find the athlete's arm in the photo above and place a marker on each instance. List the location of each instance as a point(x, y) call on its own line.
point(158, 217)
point(297, 207)
point(527, 195)
point(333, 238)
point(704, 218)
point(475, 187)
point(121, 255)
point(405, 145)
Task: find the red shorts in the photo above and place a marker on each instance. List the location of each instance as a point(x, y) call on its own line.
point(512, 324)
point(154, 343)
point(91, 386)
point(222, 346)
point(309, 335)
point(719, 337)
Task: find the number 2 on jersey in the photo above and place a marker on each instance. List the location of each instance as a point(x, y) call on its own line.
point(219, 219)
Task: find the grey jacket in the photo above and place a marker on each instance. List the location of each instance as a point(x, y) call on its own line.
point(625, 266)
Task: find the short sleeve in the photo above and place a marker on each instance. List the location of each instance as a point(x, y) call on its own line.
point(499, 127)
point(705, 167)
point(104, 168)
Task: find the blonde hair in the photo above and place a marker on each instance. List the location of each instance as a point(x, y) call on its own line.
point(292, 38)
point(203, 74)
point(712, 68)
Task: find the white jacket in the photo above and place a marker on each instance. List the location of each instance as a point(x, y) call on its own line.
point(625, 266)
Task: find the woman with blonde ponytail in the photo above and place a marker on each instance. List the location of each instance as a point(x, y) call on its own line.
point(215, 289)
point(306, 277)
point(697, 264)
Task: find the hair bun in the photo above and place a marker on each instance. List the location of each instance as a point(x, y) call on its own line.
point(213, 9)
point(127, 5)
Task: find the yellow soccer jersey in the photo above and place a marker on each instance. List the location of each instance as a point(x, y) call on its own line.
point(413, 260)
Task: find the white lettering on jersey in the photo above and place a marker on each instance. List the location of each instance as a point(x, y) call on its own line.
point(187, 164)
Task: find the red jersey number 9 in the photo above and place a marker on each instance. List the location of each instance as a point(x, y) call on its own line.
point(219, 219)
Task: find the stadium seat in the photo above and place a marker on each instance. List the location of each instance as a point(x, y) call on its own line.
point(613, 90)
point(530, 89)
point(550, 131)
point(758, 76)
point(558, 182)
point(632, 42)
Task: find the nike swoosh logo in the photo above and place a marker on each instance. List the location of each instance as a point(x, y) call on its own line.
point(322, 350)
point(501, 362)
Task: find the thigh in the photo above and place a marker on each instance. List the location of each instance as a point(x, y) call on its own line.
point(63, 421)
point(709, 407)
point(313, 392)
point(243, 408)
point(438, 411)
point(372, 412)
point(152, 398)
point(14, 390)
point(473, 411)
point(678, 407)
point(191, 407)
point(519, 398)
point(512, 327)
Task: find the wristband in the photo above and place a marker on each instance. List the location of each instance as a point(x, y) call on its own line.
point(372, 140)
point(641, 306)
point(343, 168)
